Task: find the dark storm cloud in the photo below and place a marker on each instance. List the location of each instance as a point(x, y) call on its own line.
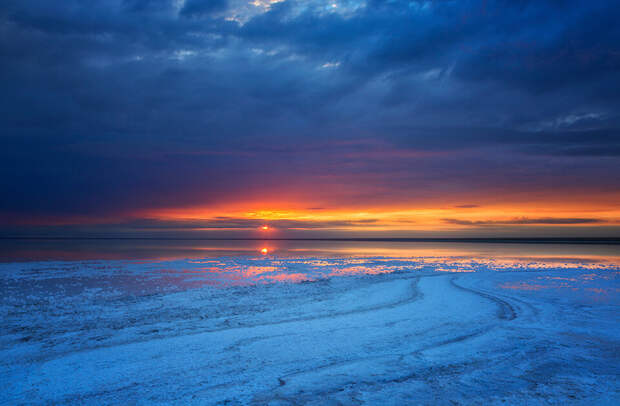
point(193, 8)
point(115, 106)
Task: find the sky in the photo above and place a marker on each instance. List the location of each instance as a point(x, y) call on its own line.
point(315, 118)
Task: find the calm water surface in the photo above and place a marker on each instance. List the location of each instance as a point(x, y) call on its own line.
point(75, 250)
point(147, 266)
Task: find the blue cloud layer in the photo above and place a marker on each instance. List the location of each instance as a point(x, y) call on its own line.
point(112, 106)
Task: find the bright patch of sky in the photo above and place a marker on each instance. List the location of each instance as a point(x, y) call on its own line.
point(242, 10)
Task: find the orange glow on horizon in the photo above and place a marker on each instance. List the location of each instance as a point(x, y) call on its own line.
point(344, 209)
point(444, 218)
point(264, 251)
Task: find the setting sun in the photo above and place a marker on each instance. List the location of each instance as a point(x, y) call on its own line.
point(264, 251)
point(265, 227)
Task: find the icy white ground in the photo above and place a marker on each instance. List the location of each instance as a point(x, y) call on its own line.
point(310, 331)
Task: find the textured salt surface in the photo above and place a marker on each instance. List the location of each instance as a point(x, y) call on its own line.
point(229, 331)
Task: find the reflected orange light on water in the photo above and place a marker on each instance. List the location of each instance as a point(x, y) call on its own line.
point(248, 270)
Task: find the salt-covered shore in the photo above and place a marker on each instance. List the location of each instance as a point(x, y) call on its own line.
point(409, 334)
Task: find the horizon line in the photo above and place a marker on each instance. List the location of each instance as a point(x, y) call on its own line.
point(523, 240)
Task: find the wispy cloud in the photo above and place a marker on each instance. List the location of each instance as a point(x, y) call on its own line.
point(525, 221)
point(232, 223)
